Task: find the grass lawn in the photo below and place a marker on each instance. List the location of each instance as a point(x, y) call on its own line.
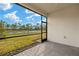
point(12, 44)
point(16, 33)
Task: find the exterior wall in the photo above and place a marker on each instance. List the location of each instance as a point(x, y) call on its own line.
point(63, 26)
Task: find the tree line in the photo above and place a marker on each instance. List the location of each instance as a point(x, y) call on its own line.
point(4, 26)
point(15, 26)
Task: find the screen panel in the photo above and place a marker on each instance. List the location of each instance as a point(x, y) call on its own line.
point(19, 28)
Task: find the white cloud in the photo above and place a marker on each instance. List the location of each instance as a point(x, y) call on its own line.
point(29, 17)
point(5, 6)
point(36, 15)
point(12, 16)
point(33, 15)
point(28, 11)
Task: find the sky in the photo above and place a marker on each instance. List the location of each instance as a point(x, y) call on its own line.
point(13, 13)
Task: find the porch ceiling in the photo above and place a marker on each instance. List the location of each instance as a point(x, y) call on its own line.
point(47, 8)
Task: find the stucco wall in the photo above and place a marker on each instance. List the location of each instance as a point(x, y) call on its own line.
point(63, 26)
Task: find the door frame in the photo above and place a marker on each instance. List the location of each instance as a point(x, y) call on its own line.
point(42, 22)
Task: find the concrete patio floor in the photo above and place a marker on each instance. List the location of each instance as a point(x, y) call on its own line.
point(50, 49)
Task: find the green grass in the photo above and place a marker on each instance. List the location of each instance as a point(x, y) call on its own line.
point(6, 33)
point(12, 44)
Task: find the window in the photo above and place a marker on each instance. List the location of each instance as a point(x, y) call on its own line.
point(20, 27)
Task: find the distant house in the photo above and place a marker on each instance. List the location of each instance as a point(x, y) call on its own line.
point(1, 26)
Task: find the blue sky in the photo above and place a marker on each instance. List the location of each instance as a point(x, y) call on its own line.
point(12, 13)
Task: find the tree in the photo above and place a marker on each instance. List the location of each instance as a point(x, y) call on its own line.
point(28, 27)
point(2, 28)
point(19, 25)
point(22, 27)
point(37, 26)
point(14, 26)
point(8, 26)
